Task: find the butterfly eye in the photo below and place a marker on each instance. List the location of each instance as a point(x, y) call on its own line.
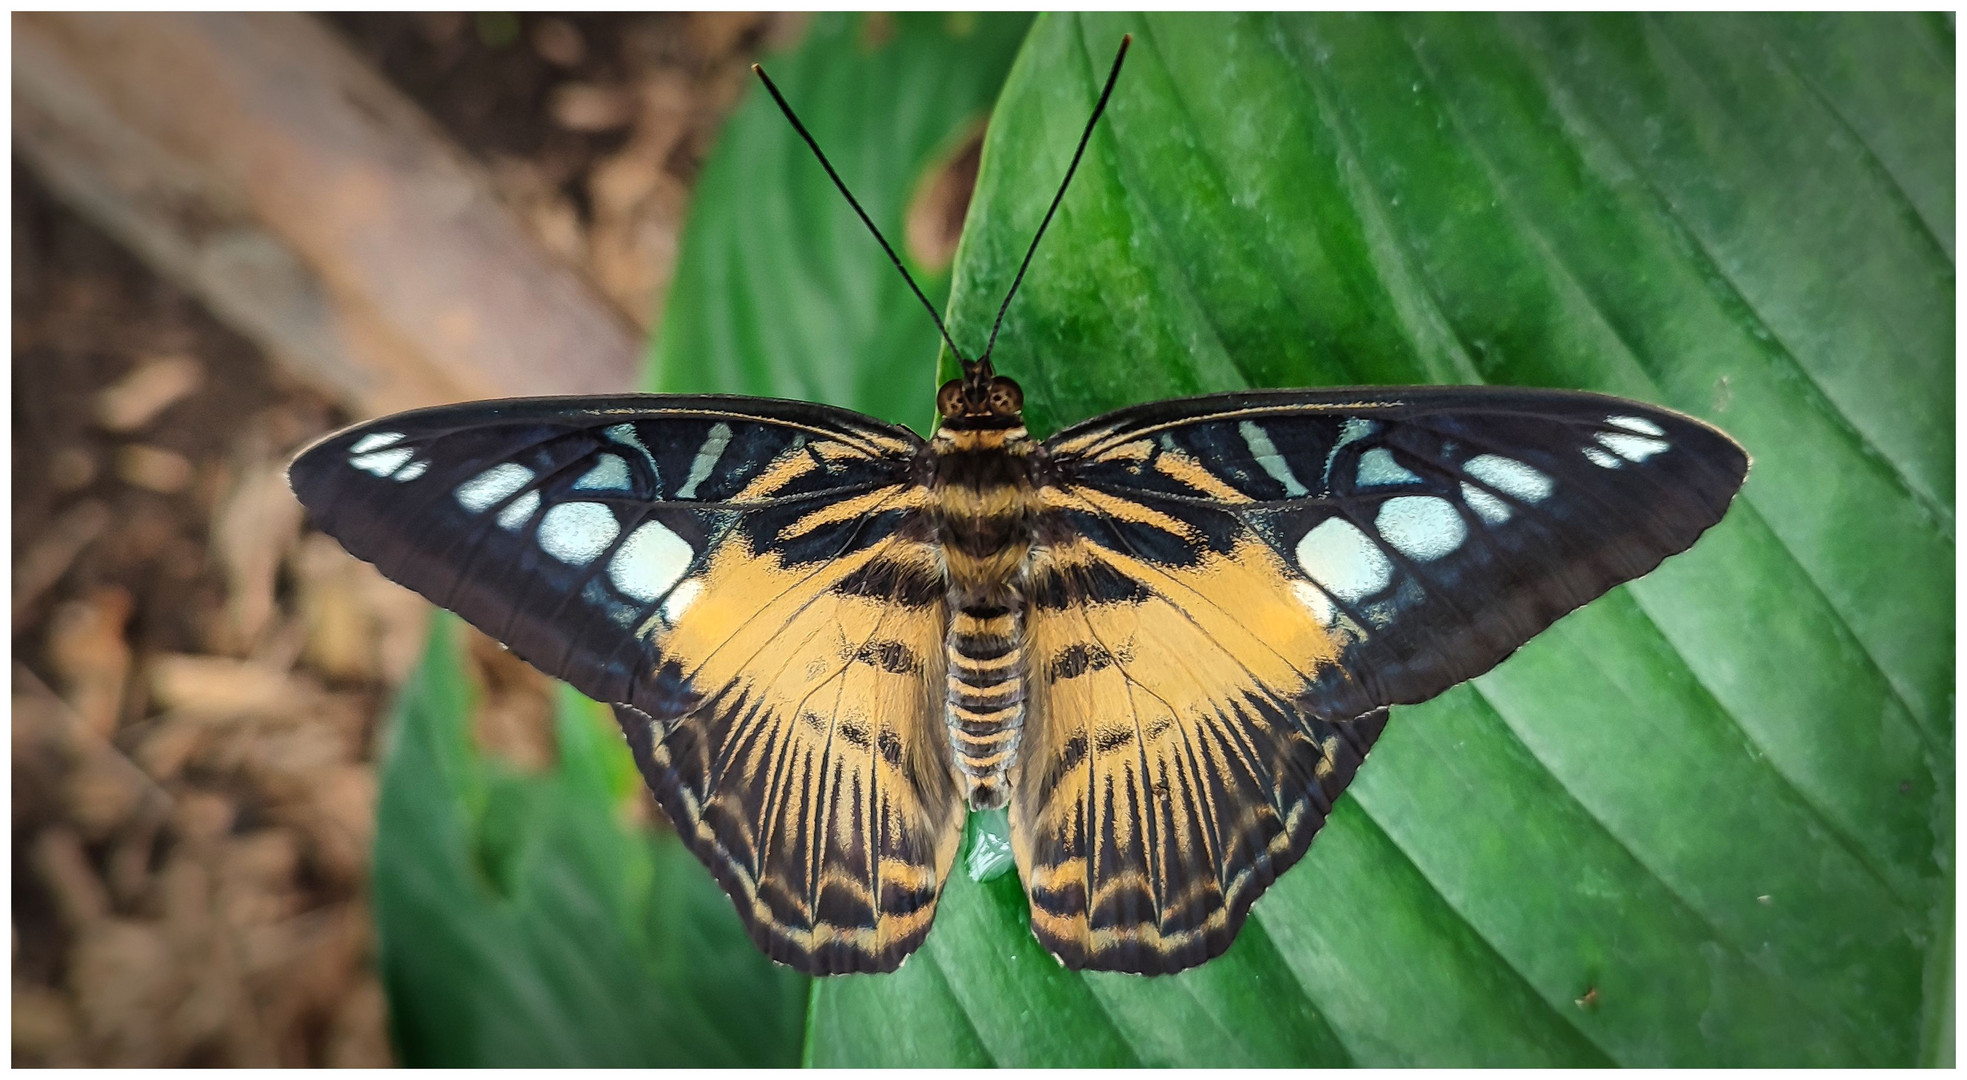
point(949, 399)
point(1006, 398)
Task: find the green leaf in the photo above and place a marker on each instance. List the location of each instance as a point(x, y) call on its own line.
point(521, 924)
point(1705, 820)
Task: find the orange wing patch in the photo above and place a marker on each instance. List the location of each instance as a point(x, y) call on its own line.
point(1169, 771)
point(810, 771)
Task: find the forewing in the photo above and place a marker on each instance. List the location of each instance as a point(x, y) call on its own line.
point(1430, 530)
point(1228, 591)
point(746, 580)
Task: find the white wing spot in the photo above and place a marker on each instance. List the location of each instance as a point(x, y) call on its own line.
point(625, 435)
point(610, 473)
point(1509, 476)
point(519, 511)
point(375, 440)
point(650, 561)
point(683, 597)
point(1314, 598)
point(411, 471)
point(1486, 506)
point(707, 455)
point(1378, 469)
point(578, 532)
point(1601, 459)
point(1272, 462)
point(1633, 448)
point(1342, 559)
point(492, 486)
point(1353, 430)
point(1423, 527)
point(383, 462)
point(1636, 423)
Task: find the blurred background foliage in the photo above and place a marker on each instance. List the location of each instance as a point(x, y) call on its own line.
point(1706, 820)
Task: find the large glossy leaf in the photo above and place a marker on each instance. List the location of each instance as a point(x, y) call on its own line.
point(1708, 818)
point(522, 922)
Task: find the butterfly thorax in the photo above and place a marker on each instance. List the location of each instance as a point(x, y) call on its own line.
point(984, 500)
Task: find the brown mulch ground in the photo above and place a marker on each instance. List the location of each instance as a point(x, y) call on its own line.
point(197, 675)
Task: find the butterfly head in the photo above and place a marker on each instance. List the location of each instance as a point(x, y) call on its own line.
point(980, 399)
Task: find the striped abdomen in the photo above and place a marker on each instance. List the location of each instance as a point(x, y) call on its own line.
point(985, 706)
point(983, 503)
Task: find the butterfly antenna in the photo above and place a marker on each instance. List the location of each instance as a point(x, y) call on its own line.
point(1085, 137)
point(855, 203)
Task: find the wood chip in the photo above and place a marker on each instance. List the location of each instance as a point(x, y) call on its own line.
point(166, 472)
point(715, 33)
point(214, 687)
point(72, 468)
point(201, 818)
point(63, 866)
point(50, 556)
point(620, 184)
point(156, 384)
point(91, 658)
point(125, 981)
point(340, 822)
point(45, 1024)
point(168, 745)
point(256, 526)
point(358, 1037)
point(360, 625)
point(591, 107)
point(286, 763)
point(256, 877)
point(129, 865)
point(559, 42)
point(102, 792)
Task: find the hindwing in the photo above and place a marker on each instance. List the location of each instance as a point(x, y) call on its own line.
point(1228, 591)
point(750, 583)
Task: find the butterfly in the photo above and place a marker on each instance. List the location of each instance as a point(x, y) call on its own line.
point(1164, 639)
